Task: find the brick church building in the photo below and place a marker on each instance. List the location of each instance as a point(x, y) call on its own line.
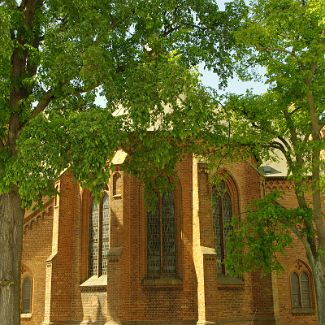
point(114, 262)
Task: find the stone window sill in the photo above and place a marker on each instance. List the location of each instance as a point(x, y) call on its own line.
point(26, 316)
point(95, 283)
point(162, 283)
point(299, 311)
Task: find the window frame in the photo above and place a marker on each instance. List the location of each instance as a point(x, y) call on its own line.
point(162, 273)
point(299, 270)
point(100, 233)
point(175, 282)
point(28, 314)
point(232, 190)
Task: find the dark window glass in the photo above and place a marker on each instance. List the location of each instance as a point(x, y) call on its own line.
point(94, 238)
point(153, 233)
point(300, 292)
point(161, 236)
point(227, 214)
point(222, 216)
point(295, 290)
point(169, 242)
point(105, 232)
point(99, 236)
point(305, 291)
point(26, 295)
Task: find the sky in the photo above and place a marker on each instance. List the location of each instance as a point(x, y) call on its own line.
point(234, 85)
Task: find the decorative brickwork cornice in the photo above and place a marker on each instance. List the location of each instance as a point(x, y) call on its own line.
point(278, 185)
point(38, 215)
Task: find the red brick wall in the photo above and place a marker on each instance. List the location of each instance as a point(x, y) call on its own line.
point(37, 248)
point(250, 300)
point(169, 302)
point(128, 297)
point(293, 253)
point(65, 274)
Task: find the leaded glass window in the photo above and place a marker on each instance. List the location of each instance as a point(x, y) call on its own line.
point(169, 242)
point(154, 241)
point(305, 290)
point(295, 290)
point(105, 232)
point(26, 295)
point(94, 239)
point(99, 236)
point(300, 292)
point(161, 235)
point(222, 215)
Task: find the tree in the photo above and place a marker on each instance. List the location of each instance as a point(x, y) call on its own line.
point(287, 37)
point(56, 57)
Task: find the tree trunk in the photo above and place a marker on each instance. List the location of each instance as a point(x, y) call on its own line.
point(11, 238)
point(318, 268)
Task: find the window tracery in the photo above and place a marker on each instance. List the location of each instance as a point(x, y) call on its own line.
point(26, 295)
point(99, 224)
point(161, 237)
point(224, 201)
point(301, 289)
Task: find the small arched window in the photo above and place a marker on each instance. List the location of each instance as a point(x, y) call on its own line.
point(117, 184)
point(26, 295)
point(222, 212)
point(301, 292)
point(161, 237)
point(99, 236)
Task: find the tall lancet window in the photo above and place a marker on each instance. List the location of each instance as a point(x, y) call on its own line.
point(301, 289)
point(105, 232)
point(222, 212)
point(26, 295)
point(99, 236)
point(161, 237)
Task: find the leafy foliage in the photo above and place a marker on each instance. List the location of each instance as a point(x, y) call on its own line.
point(287, 38)
point(266, 231)
point(58, 56)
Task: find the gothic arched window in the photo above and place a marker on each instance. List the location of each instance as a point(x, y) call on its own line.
point(301, 291)
point(26, 295)
point(222, 213)
point(161, 237)
point(99, 236)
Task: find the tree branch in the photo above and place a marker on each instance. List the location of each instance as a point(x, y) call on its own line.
point(285, 142)
point(29, 9)
point(291, 127)
point(312, 105)
point(283, 148)
point(43, 103)
point(49, 96)
point(276, 49)
point(305, 139)
point(294, 111)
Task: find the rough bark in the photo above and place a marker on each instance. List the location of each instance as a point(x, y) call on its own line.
point(11, 237)
point(318, 260)
point(318, 264)
point(318, 268)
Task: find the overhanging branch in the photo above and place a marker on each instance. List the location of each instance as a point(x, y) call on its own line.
point(49, 96)
point(43, 103)
point(275, 49)
point(280, 146)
